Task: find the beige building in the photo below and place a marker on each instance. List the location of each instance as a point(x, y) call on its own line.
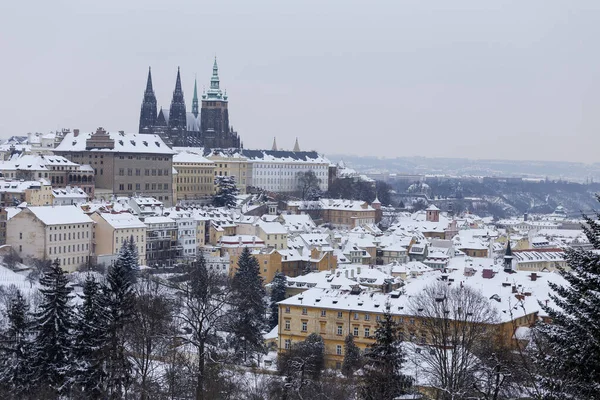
point(112, 230)
point(124, 163)
point(48, 233)
point(231, 165)
point(34, 193)
point(195, 177)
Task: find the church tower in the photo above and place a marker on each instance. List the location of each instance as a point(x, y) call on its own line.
point(148, 111)
point(214, 117)
point(177, 113)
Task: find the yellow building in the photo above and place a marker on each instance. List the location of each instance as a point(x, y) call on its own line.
point(195, 177)
point(112, 230)
point(231, 165)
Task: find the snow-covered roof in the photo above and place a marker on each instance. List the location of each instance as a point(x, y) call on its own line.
point(60, 215)
point(187, 157)
point(123, 220)
point(123, 143)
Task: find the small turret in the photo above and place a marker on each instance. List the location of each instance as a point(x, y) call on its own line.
point(274, 147)
point(508, 257)
point(296, 146)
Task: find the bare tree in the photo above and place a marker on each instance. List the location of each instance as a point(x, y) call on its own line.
point(455, 323)
point(149, 335)
point(204, 311)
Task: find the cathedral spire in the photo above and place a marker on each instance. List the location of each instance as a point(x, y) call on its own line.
point(148, 109)
point(274, 148)
point(195, 100)
point(296, 146)
point(149, 81)
point(178, 83)
point(177, 113)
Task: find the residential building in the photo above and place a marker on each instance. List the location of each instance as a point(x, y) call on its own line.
point(48, 233)
point(346, 214)
point(69, 196)
point(34, 193)
point(161, 241)
point(59, 171)
point(114, 229)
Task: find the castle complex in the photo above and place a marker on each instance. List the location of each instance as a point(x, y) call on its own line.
point(204, 127)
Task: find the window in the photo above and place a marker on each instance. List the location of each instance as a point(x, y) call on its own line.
point(340, 329)
point(367, 332)
point(121, 186)
point(287, 310)
point(323, 313)
point(355, 315)
point(121, 171)
point(20, 235)
point(304, 311)
point(412, 321)
point(338, 349)
point(304, 326)
point(340, 314)
point(288, 344)
point(367, 317)
point(287, 324)
point(355, 331)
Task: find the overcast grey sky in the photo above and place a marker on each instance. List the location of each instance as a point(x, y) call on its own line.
point(476, 79)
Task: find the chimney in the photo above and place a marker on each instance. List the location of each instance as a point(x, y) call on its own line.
point(75, 132)
point(533, 276)
point(514, 288)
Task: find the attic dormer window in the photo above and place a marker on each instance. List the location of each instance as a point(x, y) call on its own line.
point(121, 142)
point(132, 142)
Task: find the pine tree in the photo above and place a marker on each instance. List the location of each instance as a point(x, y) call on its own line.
point(53, 323)
point(573, 359)
point(89, 340)
point(226, 192)
point(117, 302)
point(129, 258)
point(383, 379)
point(249, 309)
point(278, 289)
point(16, 348)
point(351, 357)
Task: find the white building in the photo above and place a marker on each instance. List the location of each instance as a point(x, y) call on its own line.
point(69, 196)
point(47, 233)
point(278, 171)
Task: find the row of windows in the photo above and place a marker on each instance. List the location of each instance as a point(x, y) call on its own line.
point(147, 186)
point(147, 172)
point(63, 236)
point(66, 227)
point(356, 315)
point(67, 249)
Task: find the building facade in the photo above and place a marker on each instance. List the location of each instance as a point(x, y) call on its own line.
point(195, 177)
point(49, 233)
point(124, 164)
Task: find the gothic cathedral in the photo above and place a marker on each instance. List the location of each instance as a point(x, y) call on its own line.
point(208, 127)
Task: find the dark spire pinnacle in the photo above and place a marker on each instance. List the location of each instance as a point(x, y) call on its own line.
point(148, 109)
point(177, 112)
point(195, 100)
point(178, 83)
point(149, 82)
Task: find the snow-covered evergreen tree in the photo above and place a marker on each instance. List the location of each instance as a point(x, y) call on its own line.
point(573, 359)
point(248, 311)
point(278, 288)
point(351, 357)
point(89, 341)
point(117, 302)
point(226, 191)
point(15, 348)
point(383, 379)
point(129, 258)
point(53, 323)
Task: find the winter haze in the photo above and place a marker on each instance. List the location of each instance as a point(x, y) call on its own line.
point(473, 79)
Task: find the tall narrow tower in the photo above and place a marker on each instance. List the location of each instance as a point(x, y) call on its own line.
point(148, 111)
point(177, 113)
point(214, 118)
point(195, 100)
